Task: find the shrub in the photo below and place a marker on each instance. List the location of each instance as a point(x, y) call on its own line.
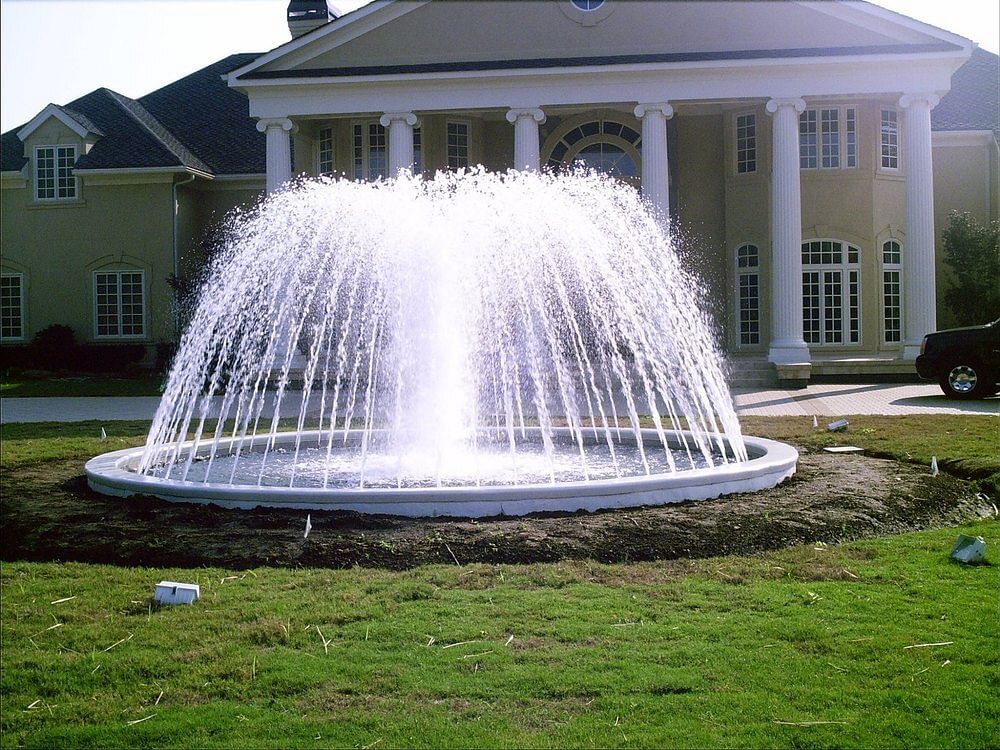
point(53, 348)
point(973, 252)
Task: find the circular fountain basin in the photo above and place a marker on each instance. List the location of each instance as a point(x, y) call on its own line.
point(770, 463)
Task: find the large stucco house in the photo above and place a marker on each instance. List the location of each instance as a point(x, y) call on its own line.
point(808, 153)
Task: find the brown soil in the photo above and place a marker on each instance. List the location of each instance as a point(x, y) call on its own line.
point(49, 513)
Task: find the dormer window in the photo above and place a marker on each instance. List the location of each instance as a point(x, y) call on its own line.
point(54, 180)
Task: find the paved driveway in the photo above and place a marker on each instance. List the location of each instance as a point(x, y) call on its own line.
point(818, 400)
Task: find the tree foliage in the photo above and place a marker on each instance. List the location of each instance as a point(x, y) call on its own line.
point(973, 252)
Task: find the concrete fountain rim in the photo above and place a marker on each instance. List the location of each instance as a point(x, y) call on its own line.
point(770, 463)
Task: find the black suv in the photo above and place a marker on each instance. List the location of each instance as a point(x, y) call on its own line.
point(964, 361)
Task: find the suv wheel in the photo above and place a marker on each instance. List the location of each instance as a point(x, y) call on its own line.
point(965, 379)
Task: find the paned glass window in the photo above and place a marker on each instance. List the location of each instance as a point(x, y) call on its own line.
point(54, 178)
point(12, 306)
point(831, 293)
point(119, 303)
point(458, 145)
point(890, 139)
point(326, 162)
point(852, 137)
point(748, 281)
point(612, 128)
point(418, 150)
point(807, 140)
point(892, 296)
point(371, 154)
point(830, 131)
point(746, 144)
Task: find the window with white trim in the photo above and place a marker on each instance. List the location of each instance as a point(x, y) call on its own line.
point(890, 139)
point(458, 145)
point(892, 296)
point(54, 178)
point(12, 307)
point(326, 158)
point(371, 153)
point(746, 143)
point(828, 138)
point(831, 293)
point(748, 290)
point(119, 304)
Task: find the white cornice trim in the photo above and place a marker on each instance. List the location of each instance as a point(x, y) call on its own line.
point(962, 137)
point(143, 170)
point(738, 65)
point(51, 111)
point(240, 177)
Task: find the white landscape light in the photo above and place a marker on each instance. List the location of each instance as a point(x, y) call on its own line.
point(171, 592)
point(838, 425)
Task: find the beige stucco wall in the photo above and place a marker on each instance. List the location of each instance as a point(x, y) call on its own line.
point(966, 179)
point(121, 221)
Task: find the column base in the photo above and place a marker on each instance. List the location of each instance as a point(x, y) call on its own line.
point(791, 362)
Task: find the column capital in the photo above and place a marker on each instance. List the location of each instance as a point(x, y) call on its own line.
point(641, 109)
point(266, 123)
point(515, 114)
point(907, 100)
point(408, 117)
point(798, 103)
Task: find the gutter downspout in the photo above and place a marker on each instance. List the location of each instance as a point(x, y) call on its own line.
point(177, 253)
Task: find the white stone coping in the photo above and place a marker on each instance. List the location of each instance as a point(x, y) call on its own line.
point(770, 463)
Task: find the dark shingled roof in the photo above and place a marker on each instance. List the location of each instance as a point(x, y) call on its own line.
point(212, 119)
point(974, 100)
point(196, 122)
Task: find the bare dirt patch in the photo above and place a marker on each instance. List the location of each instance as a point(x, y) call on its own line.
point(49, 513)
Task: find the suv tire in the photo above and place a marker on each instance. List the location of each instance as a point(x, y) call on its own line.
point(965, 379)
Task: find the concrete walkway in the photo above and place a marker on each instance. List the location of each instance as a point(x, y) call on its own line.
point(819, 400)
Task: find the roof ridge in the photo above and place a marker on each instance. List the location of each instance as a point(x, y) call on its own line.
point(155, 128)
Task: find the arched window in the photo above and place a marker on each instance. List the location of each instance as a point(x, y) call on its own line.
point(748, 291)
point(831, 292)
point(892, 307)
point(604, 145)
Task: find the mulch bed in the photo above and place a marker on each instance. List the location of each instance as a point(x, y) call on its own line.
point(49, 513)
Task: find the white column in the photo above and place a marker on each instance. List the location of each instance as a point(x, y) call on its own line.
point(787, 344)
point(655, 170)
point(400, 126)
point(526, 147)
point(278, 131)
point(919, 293)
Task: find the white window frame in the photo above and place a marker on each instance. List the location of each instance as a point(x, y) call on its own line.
point(59, 172)
point(892, 269)
point(846, 150)
point(468, 144)
point(749, 272)
point(751, 148)
point(117, 273)
point(885, 143)
point(20, 308)
point(332, 141)
point(850, 299)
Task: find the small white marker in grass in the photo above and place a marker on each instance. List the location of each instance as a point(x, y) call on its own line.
point(934, 466)
point(171, 592)
point(104, 435)
point(815, 422)
point(308, 525)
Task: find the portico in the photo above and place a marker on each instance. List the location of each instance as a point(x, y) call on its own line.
point(639, 111)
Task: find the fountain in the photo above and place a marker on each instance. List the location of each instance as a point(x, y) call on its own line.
point(477, 344)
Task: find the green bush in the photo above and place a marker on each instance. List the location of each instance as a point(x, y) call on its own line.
point(973, 252)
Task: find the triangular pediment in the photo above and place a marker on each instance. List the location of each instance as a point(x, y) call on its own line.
point(402, 36)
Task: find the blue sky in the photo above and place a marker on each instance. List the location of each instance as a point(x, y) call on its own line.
point(58, 50)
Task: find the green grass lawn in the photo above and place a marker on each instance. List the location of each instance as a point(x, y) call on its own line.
point(811, 646)
point(883, 642)
point(96, 385)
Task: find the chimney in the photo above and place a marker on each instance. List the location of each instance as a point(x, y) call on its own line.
point(306, 15)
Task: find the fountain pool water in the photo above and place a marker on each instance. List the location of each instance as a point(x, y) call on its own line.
point(470, 345)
